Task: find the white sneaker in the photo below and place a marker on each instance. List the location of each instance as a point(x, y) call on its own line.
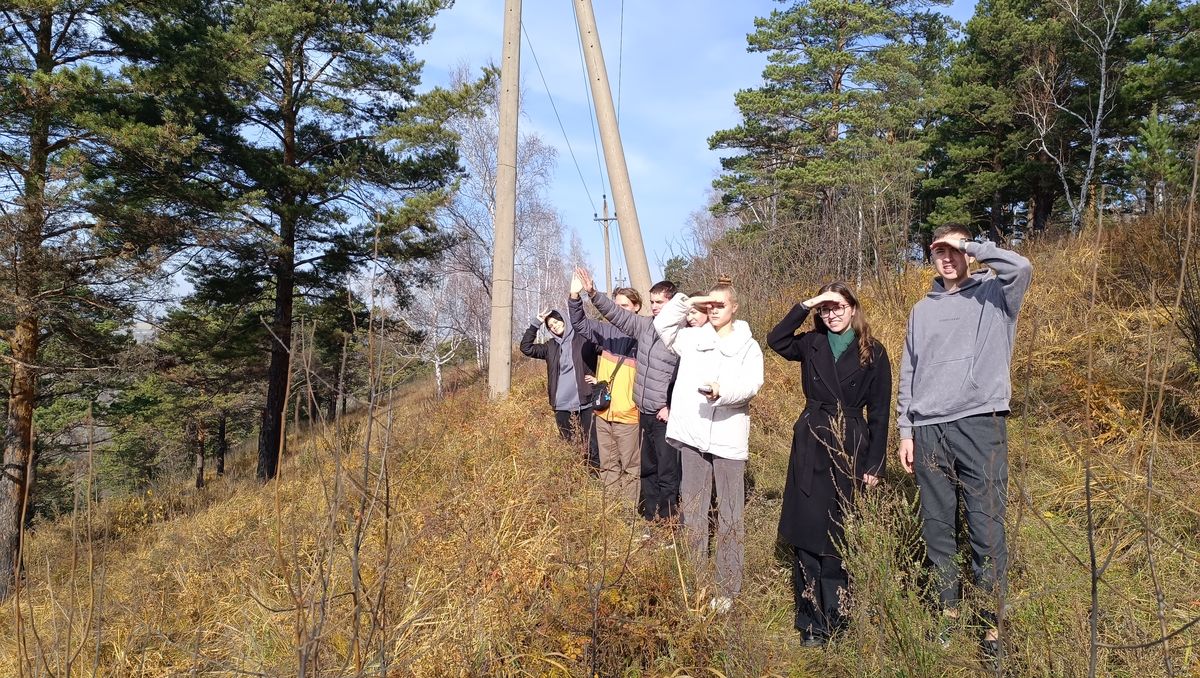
point(720, 604)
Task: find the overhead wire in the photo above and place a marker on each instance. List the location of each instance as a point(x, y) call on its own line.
point(587, 90)
point(562, 127)
point(620, 71)
point(619, 247)
point(620, 59)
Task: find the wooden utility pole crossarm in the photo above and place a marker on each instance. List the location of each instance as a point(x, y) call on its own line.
point(607, 254)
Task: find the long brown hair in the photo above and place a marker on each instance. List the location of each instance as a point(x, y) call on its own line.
point(862, 329)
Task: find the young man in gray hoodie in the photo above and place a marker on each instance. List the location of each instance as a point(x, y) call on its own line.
point(953, 400)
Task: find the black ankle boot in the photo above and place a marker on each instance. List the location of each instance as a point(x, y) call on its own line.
point(810, 639)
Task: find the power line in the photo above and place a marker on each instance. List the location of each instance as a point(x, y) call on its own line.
point(620, 248)
point(587, 89)
point(553, 107)
point(620, 60)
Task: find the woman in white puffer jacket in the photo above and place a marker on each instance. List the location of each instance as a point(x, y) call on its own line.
point(720, 370)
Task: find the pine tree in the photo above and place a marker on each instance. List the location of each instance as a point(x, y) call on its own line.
point(982, 166)
point(1157, 166)
point(844, 80)
point(1160, 88)
point(72, 126)
point(336, 162)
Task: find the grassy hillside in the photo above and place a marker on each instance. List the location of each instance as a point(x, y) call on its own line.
point(460, 537)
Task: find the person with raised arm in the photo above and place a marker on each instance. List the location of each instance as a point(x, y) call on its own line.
point(615, 421)
point(835, 449)
point(720, 371)
point(570, 359)
point(952, 406)
point(659, 468)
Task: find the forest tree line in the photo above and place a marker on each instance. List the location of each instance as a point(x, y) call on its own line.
point(876, 122)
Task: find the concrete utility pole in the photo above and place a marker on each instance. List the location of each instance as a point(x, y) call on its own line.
point(614, 155)
point(504, 227)
point(607, 254)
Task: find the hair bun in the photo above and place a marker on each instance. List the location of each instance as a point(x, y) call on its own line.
point(724, 280)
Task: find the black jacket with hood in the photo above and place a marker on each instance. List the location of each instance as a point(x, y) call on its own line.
point(583, 352)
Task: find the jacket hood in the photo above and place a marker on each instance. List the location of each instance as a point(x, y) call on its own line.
point(734, 342)
point(938, 289)
point(567, 335)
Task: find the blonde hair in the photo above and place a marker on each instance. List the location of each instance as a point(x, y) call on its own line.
point(725, 284)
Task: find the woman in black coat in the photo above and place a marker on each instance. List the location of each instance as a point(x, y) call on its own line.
point(570, 360)
point(835, 449)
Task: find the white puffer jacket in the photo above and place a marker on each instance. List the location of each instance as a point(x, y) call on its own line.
point(734, 362)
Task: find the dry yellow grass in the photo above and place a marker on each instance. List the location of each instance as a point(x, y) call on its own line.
point(463, 538)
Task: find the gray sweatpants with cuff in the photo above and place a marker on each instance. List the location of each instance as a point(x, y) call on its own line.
point(970, 456)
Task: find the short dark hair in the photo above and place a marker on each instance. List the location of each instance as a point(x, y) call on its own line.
point(665, 288)
point(951, 229)
point(555, 315)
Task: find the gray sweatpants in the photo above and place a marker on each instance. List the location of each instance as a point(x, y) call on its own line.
point(695, 497)
point(970, 456)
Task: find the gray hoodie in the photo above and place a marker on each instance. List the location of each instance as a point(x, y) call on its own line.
point(566, 396)
point(959, 345)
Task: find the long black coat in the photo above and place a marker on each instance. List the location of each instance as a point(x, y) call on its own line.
point(833, 444)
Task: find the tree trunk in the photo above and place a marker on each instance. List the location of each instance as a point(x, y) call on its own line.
point(270, 436)
point(1043, 208)
point(859, 255)
point(340, 396)
point(16, 481)
point(222, 444)
point(995, 227)
point(197, 443)
point(271, 433)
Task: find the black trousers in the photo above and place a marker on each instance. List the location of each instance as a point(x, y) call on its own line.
point(661, 471)
point(576, 426)
point(820, 587)
point(966, 459)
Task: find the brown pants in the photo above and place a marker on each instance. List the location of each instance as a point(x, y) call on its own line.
point(620, 455)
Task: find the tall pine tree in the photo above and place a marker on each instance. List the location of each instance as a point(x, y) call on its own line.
point(335, 160)
point(983, 164)
point(844, 80)
point(81, 223)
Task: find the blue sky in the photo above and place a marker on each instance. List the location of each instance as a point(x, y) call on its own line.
point(678, 64)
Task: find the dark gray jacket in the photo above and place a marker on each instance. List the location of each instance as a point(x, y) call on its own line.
point(959, 345)
point(655, 362)
point(583, 355)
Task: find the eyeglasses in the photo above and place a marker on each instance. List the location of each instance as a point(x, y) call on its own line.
point(835, 311)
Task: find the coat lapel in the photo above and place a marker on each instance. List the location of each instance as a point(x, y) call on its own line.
point(848, 366)
point(823, 363)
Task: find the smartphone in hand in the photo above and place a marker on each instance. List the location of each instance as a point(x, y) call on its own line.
point(705, 389)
